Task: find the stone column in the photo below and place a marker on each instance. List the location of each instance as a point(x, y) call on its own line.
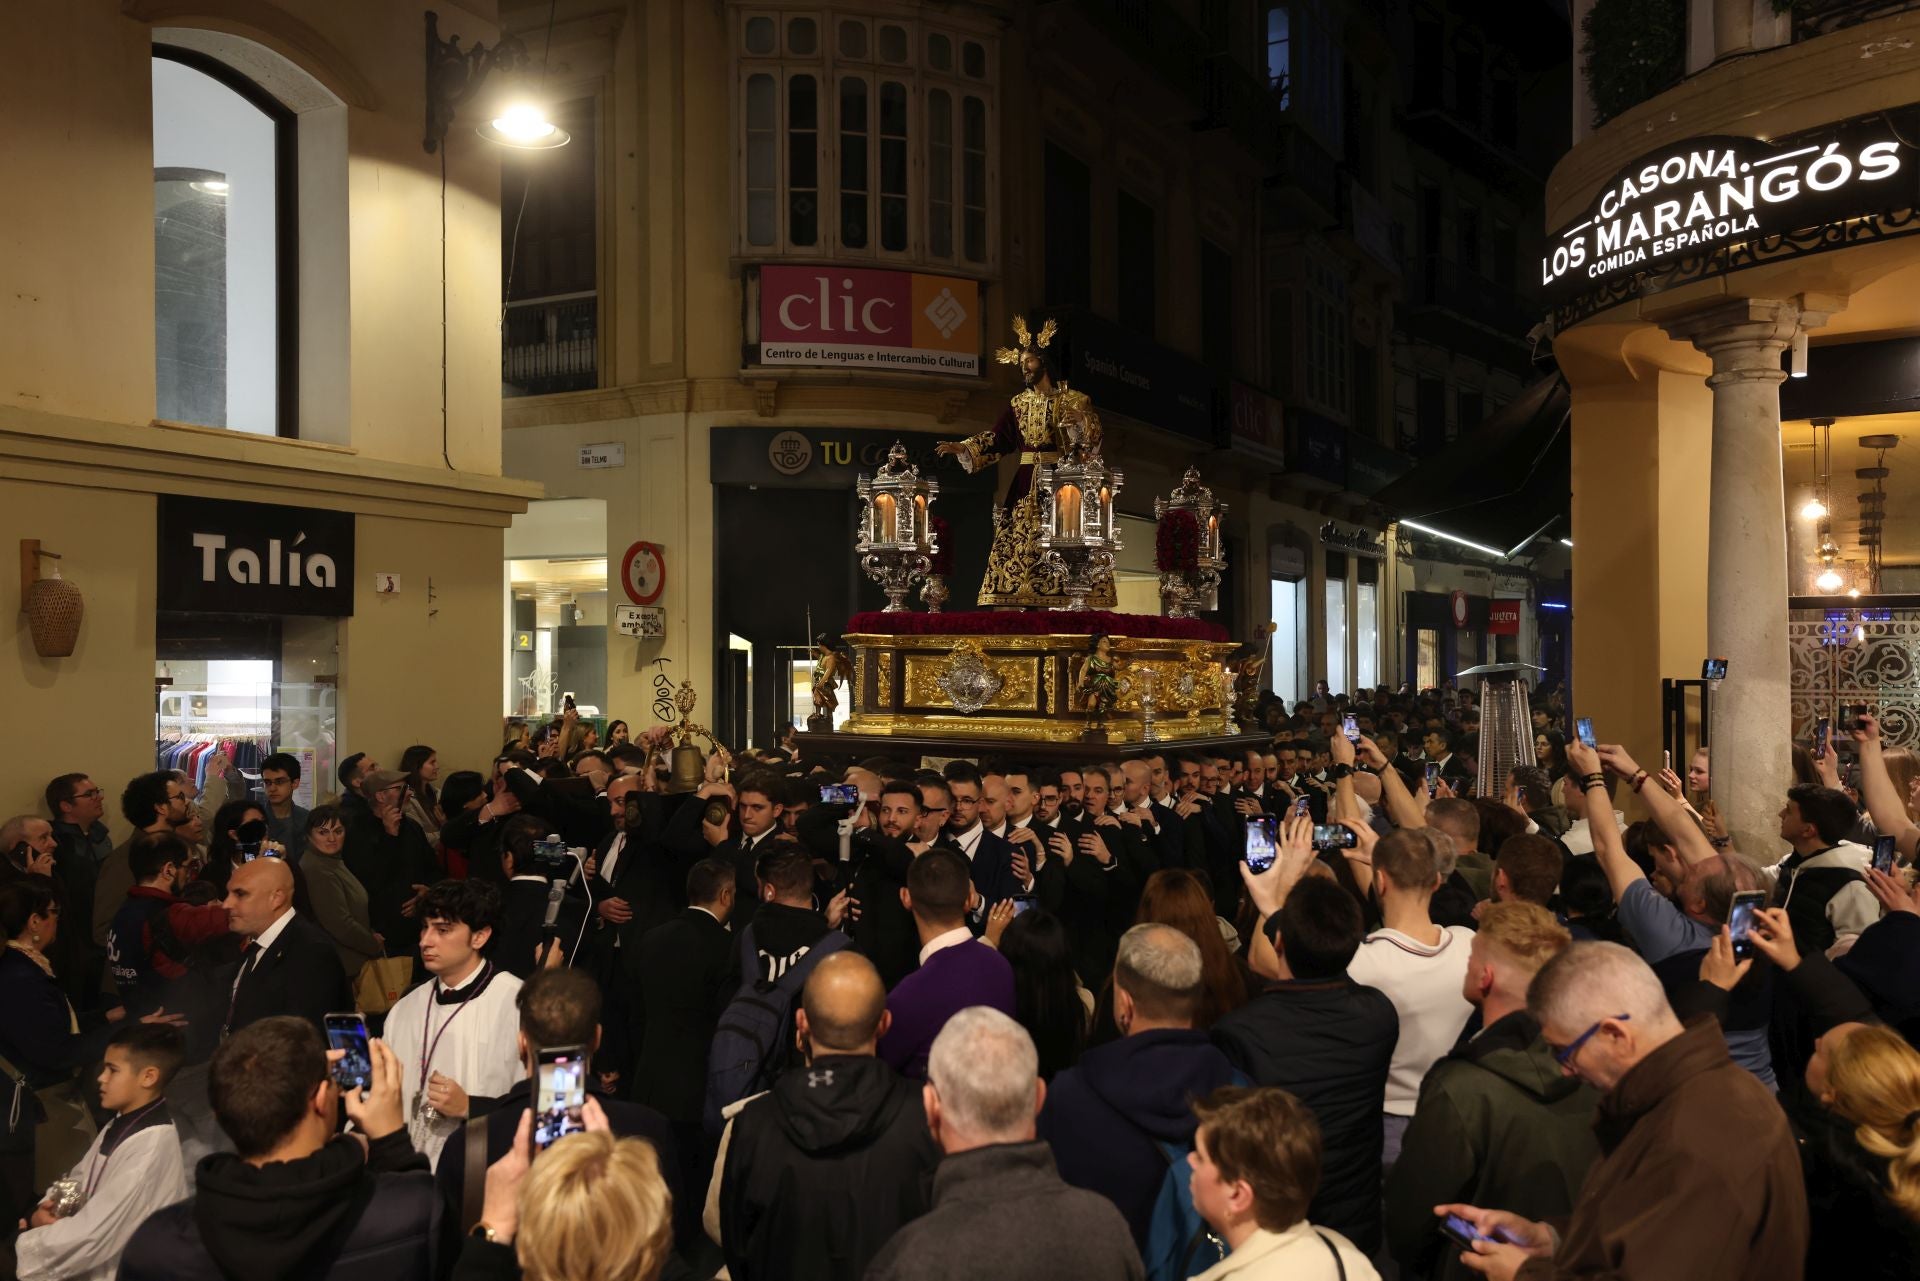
point(1752, 756)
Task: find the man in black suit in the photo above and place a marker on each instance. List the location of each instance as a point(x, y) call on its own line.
point(990, 856)
point(289, 965)
point(682, 974)
point(1441, 747)
point(523, 906)
point(557, 1008)
point(755, 820)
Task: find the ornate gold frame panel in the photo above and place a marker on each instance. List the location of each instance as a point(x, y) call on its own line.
point(1021, 686)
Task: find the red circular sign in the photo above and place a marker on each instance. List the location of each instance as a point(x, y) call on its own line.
point(644, 573)
point(1459, 609)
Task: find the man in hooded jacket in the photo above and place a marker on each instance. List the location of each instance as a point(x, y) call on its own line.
point(1498, 1122)
point(300, 1201)
point(1107, 1118)
point(817, 1173)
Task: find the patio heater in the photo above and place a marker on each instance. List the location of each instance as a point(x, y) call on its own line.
point(1506, 724)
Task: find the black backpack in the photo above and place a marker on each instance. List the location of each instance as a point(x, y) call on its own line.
point(753, 1041)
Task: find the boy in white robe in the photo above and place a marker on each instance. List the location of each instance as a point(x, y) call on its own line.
point(455, 1036)
point(132, 1168)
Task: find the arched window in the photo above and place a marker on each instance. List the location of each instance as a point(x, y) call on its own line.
point(224, 250)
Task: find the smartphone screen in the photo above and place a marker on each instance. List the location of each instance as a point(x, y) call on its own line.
point(1022, 902)
point(1301, 807)
point(1333, 836)
point(1583, 730)
point(1433, 780)
point(1351, 728)
point(1883, 852)
point(839, 794)
point(1740, 921)
point(1713, 669)
point(1260, 843)
point(355, 1068)
point(1822, 732)
point(1461, 1232)
point(560, 1094)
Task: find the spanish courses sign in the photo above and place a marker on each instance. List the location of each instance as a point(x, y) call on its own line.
point(860, 318)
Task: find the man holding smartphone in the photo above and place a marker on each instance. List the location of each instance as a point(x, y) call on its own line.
point(1822, 883)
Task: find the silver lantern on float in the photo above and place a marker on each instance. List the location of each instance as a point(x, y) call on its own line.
point(1078, 536)
point(896, 541)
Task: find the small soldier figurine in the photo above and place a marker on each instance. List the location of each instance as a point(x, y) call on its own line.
point(1099, 687)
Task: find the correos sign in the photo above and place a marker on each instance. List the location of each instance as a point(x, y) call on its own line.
point(1710, 205)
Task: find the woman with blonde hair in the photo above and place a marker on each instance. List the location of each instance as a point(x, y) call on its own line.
point(593, 1207)
point(1861, 1154)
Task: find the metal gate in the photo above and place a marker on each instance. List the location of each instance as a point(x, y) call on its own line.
point(1843, 657)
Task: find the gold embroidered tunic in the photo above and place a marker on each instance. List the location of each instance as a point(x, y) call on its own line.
point(1032, 427)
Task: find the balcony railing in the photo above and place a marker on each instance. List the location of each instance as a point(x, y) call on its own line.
point(551, 345)
point(1632, 51)
point(1813, 18)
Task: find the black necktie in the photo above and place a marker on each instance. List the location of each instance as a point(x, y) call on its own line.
point(247, 954)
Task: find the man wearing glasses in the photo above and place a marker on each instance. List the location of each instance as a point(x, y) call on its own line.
point(154, 804)
point(1684, 1132)
point(82, 844)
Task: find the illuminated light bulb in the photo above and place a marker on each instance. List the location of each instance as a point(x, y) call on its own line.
point(1814, 510)
point(524, 125)
point(1854, 592)
point(1829, 581)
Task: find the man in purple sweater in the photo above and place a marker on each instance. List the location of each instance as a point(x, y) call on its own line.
point(956, 971)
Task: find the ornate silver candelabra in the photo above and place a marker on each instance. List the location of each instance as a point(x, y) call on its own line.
point(1183, 593)
point(896, 544)
point(1077, 533)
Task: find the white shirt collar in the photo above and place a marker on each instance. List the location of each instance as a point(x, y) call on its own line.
point(265, 938)
point(541, 879)
point(1000, 831)
point(952, 938)
point(969, 840)
point(717, 920)
point(478, 970)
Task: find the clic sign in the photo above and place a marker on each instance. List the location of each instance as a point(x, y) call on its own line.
point(856, 317)
point(1707, 195)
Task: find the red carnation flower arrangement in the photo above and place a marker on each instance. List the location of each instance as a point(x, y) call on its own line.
point(1040, 622)
point(1176, 544)
point(942, 547)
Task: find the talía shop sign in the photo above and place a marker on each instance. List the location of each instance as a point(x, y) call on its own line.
point(1710, 193)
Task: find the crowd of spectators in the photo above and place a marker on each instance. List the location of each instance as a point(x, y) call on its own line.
point(1334, 1006)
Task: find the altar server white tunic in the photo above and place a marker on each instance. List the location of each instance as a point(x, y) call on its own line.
point(132, 1169)
point(466, 1033)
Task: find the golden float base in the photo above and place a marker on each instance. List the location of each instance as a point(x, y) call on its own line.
point(1021, 689)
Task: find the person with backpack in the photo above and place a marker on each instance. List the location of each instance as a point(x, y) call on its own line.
point(753, 1041)
point(1121, 1122)
point(839, 1130)
point(1256, 1165)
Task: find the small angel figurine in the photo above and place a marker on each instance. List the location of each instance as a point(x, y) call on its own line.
point(831, 665)
point(1098, 687)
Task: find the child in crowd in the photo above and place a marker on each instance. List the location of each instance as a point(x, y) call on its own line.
point(132, 1168)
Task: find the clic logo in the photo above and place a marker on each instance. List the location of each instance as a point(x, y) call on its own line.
point(946, 312)
point(822, 307)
